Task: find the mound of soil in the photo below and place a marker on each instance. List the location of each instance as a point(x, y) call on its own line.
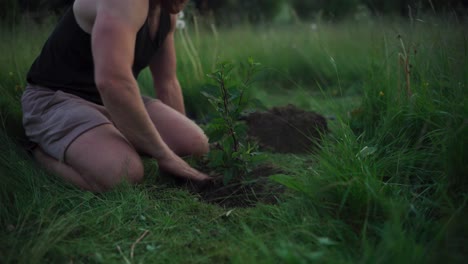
point(258, 189)
point(287, 129)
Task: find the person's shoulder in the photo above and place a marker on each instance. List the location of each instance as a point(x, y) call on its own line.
point(85, 13)
point(127, 11)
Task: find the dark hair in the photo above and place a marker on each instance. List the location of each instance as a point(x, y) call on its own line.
point(173, 6)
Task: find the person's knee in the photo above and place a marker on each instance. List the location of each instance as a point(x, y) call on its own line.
point(195, 144)
point(201, 145)
point(130, 170)
point(134, 171)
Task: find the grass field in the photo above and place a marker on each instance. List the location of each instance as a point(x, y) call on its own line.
point(388, 186)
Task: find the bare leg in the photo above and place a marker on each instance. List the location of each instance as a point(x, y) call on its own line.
point(101, 158)
point(62, 169)
point(97, 160)
point(181, 134)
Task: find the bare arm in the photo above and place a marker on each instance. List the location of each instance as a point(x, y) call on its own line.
point(113, 42)
point(163, 70)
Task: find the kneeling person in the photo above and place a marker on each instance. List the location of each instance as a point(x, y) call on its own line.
point(82, 105)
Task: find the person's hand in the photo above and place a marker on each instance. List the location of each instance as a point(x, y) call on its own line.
point(173, 164)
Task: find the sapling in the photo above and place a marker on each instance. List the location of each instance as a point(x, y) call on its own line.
point(233, 156)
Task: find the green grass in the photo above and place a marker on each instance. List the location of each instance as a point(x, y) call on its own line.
point(388, 186)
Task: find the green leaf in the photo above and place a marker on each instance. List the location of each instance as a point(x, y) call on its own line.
point(210, 97)
point(236, 154)
point(235, 93)
point(216, 134)
point(210, 75)
point(211, 89)
point(240, 129)
point(227, 144)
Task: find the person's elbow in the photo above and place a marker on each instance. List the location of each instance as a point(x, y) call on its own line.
point(109, 84)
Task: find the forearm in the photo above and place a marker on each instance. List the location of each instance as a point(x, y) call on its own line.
point(123, 102)
point(170, 93)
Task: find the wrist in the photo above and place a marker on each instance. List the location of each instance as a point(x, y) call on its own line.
point(162, 153)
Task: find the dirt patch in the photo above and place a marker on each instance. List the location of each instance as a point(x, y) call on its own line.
point(287, 129)
point(258, 188)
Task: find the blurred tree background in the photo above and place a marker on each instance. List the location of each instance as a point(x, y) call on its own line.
point(234, 11)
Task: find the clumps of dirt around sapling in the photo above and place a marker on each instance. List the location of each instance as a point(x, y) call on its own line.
point(287, 129)
point(255, 188)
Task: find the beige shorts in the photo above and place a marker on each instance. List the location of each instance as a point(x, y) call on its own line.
point(54, 119)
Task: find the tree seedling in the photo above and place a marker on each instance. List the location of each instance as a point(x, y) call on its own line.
point(233, 156)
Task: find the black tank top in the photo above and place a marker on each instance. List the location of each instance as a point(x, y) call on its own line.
point(66, 63)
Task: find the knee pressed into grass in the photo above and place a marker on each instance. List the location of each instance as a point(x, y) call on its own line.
point(130, 170)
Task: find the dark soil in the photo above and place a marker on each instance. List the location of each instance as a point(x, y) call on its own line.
point(257, 188)
point(287, 129)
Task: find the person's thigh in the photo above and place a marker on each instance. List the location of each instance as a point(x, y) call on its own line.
point(53, 119)
point(104, 158)
point(77, 140)
point(180, 133)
